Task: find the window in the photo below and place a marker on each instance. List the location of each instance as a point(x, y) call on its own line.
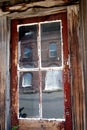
point(52, 50)
point(38, 71)
point(27, 80)
point(53, 80)
point(27, 52)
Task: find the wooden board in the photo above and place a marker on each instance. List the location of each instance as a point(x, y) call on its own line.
point(14, 8)
point(76, 71)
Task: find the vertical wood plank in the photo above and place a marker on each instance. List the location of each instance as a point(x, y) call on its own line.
point(83, 38)
point(3, 71)
point(76, 70)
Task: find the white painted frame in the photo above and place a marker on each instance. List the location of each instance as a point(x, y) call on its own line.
point(39, 68)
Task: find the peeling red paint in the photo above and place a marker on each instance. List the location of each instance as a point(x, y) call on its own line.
point(25, 124)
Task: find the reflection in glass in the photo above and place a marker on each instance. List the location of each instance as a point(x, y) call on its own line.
point(29, 95)
point(28, 52)
point(52, 50)
point(27, 80)
point(53, 80)
point(40, 89)
point(51, 44)
point(53, 96)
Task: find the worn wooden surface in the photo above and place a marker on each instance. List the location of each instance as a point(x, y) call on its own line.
point(39, 124)
point(75, 50)
point(13, 2)
point(83, 39)
point(30, 8)
point(4, 74)
point(76, 68)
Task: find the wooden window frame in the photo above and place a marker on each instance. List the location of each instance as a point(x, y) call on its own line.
point(66, 71)
point(39, 68)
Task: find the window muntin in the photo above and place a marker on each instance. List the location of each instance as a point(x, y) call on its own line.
point(43, 70)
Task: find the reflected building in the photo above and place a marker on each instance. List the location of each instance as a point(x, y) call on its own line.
point(40, 54)
point(40, 66)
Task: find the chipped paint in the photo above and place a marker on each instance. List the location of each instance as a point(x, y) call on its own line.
point(55, 124)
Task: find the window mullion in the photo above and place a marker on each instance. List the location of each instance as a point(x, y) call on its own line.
point(40, 74)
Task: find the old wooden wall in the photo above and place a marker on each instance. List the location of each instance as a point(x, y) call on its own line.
point(83, 38)
point(76, 68)
point(78, 63)
point(4, 73)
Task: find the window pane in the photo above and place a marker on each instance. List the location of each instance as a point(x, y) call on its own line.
point(29, 94)
point(53, 95)
point(27, 80)
point(51, 50)
point(53, 46)
point(28, 53)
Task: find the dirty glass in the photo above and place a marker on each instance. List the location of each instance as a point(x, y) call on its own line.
point(28, 94)
point(53, 96)
point(52, 50)
point(28, 57)
point(40, 79)
point(51, 47)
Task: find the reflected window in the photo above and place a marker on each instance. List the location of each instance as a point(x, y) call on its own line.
point(52, 50)
point(27, 80)
point(53, 80)
point(27, 53)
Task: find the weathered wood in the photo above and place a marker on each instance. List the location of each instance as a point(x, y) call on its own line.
point(38, 124)
point(35, 12)
point(13, 2)
point(3, 73)
point(32, 7)
point(83, 39)
point(76, 69)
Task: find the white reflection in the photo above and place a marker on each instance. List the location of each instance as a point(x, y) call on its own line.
point(53, 80)
point(27, 80)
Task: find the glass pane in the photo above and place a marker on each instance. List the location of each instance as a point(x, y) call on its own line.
point(52, 46)
point(28, 53)
point(51, 50)
point(53, 94)
point(27, 80)
point(28, 94)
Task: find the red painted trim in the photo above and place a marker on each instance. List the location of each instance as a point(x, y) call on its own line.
point(66, 71)
point(66, 79)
